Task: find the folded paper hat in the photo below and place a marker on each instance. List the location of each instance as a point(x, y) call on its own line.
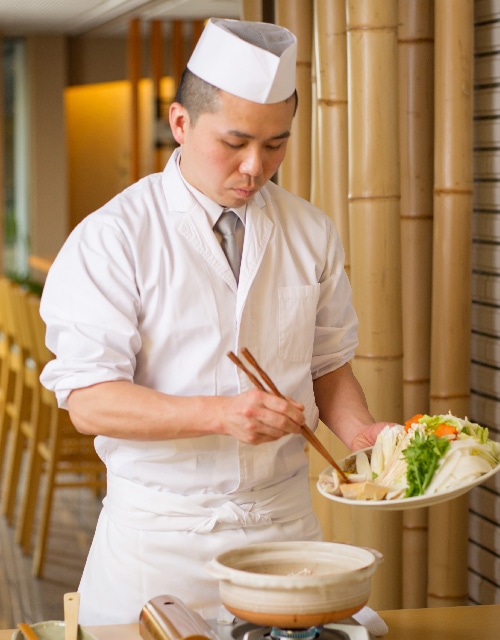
point(252, 60)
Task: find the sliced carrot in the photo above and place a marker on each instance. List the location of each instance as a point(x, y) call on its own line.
point(411, 421)
point(444, 429)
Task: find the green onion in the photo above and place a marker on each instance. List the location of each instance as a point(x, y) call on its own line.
point(422, 456)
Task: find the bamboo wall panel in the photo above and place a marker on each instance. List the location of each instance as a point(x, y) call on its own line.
point(374, 193)
point(484, 503)
point(295, 172)
point(450, 342)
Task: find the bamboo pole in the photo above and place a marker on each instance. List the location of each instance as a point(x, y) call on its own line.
point(374, 193)
point(416, 63)
point(331, 179)
point(295, 172)
point(329, 192)
point(315, 196)
point(134, 72)
point(450, 338)
point(416, 55)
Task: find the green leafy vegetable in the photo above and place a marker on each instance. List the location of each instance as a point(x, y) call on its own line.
point(422, 458)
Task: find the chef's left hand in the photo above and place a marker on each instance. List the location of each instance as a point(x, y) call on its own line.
point(366, 437)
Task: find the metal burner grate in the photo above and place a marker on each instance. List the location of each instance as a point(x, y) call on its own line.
point(294, 634)
point(249, 631)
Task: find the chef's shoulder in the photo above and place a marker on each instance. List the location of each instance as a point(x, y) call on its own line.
point(117, 230)
point(133, 205)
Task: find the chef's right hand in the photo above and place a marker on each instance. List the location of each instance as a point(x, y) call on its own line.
point(256, 416)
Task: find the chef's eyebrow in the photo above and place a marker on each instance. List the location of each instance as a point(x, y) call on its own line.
point(247, 136)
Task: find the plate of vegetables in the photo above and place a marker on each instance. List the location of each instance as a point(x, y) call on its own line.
point(430, 459)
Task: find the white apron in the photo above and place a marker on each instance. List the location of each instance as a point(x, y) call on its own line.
point(149, 543)
point(142, 287)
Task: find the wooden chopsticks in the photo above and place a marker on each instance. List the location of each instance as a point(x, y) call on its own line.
point(306, 432)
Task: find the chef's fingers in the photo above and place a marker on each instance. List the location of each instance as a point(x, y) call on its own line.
point(367, 436)
point(255, 416)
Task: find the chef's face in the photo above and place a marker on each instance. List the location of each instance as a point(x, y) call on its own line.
point(230, 153)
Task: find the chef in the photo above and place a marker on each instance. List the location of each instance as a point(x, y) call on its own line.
point(142, 306)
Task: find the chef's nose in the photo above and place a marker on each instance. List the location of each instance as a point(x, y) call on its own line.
point(252, 163)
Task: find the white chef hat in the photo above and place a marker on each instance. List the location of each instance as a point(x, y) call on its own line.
point(252, 60)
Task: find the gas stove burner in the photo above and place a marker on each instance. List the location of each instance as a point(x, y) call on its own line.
point(248, 631)
point(294, 634)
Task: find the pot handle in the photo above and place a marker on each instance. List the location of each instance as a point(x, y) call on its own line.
point(379, 557)
point(168, 618)
point(216, 569)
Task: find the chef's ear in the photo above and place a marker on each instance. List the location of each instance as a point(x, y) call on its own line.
point(179, 120)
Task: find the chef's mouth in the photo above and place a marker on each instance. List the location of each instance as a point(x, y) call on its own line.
point(247, 192)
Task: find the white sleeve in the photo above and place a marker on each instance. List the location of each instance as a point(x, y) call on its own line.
point(90, 305)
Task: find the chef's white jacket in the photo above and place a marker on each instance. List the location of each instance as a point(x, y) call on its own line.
point(141, 291)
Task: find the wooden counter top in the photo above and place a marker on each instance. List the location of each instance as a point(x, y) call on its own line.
point(450, 623)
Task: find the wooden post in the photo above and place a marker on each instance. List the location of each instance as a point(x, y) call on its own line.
point(295, 172)
point(451, 309)
point(178, 53)
point(157, 72)
point(374, 199)
point(198, 26)
point(134, 72)
point(252, 10)
point(2, 183)
point(416, 116)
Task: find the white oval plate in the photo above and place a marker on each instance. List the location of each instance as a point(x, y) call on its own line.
point(405, 503)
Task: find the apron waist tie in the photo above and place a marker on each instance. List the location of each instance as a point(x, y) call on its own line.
point(140, 507)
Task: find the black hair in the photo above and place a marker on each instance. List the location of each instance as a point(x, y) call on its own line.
point(198, 96)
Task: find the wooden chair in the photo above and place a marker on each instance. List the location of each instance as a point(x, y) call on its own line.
point(58, 452)
point(5, 345)
point(30, 430)
point(22, 406)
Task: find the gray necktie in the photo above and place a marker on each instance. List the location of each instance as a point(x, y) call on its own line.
point(226, 226)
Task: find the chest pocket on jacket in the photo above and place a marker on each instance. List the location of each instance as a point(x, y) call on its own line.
point(297, 321)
